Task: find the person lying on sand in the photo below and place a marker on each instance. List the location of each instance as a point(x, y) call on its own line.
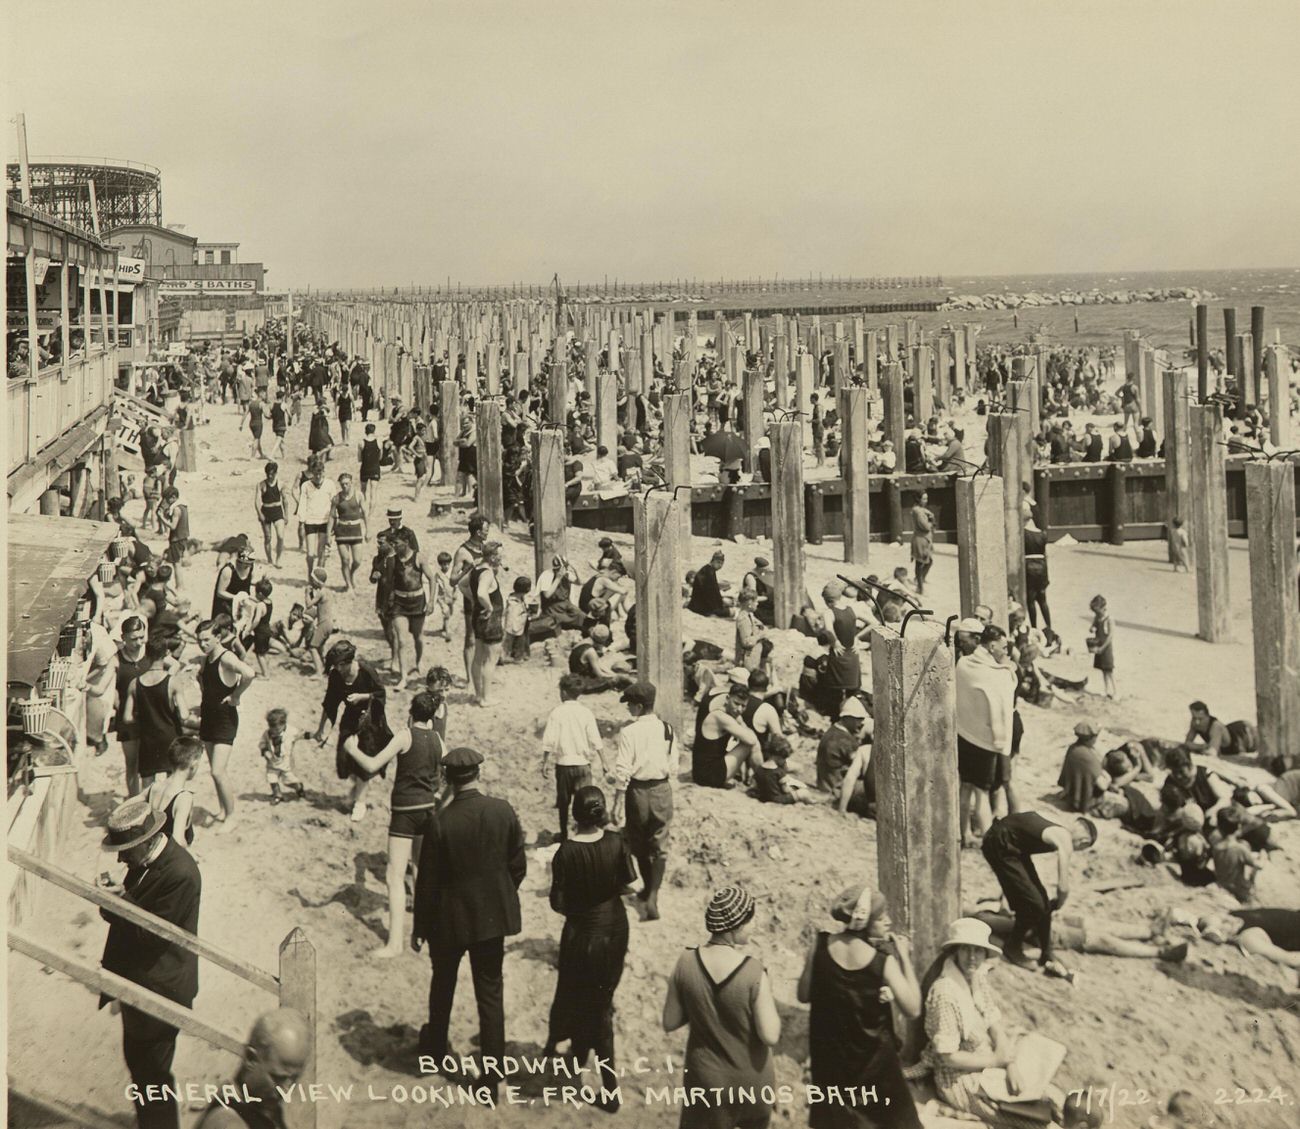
point(1082, 934)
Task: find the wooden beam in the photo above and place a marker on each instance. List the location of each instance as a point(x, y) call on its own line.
point(106, 983)
point(298, 991)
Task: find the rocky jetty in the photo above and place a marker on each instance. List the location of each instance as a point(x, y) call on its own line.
point(1073, 298)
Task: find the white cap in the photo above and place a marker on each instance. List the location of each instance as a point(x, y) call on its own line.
point(853, 707)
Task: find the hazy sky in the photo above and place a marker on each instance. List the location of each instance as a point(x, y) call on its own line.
point(395, 142)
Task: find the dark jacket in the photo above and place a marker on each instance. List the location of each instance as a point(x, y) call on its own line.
point(471, 866)
point(170, 888)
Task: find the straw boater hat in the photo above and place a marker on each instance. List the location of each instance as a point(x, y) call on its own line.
point(132, 823)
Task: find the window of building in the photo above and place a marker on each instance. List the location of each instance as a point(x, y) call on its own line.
point(225, 258)
point(208, 257)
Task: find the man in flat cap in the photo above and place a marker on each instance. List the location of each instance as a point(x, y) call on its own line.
point(467, 901)
point(162, 879)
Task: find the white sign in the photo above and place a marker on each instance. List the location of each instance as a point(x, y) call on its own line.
point(207, 285)
point(130, 270)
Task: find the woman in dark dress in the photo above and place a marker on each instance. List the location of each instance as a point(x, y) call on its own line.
point(132, 661)
point(588, 875)
point(318, 435)
point(354, 685)
point(848, 980)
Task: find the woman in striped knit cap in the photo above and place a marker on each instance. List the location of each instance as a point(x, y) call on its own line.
point(724, 996)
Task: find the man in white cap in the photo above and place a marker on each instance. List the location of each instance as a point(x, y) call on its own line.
point(162, 879)
point(839, 744)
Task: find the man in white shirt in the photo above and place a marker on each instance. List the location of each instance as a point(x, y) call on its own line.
point(646, 766)
point(572, 738)
point(315, 502)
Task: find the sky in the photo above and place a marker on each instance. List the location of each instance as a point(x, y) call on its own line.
point(395, 142)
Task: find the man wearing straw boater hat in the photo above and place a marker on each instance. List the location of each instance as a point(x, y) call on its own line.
point(162, 879)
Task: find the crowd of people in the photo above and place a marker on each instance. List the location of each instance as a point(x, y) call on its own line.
point(168, 672)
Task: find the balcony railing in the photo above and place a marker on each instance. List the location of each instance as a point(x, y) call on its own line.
point(46, 406)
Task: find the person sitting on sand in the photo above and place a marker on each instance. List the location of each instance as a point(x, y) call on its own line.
point(595, 672)
point(963, 1024)
point(773, 783)
point(1191, 783)
point(1127, 764)
point(1235, 865)
point(723, 742)
point(706, 589)
point(1083, 778)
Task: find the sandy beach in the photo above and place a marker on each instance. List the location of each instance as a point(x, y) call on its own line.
point(304, 864)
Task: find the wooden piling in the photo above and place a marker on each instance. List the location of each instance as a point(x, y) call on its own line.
point(914, 749)
point(1202, 351)
point(894, 417)
point(981, 545)
point(656, 526)
point(1278, 367)
point(491, 501)
point(1178, 455)
point(855, 408)
point(787, 518)
point(677, 458)
point(1210, 523)
point(449, 430)
point(550, 519)
point(1005, 458)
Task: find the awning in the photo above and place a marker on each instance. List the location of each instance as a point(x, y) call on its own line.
point(50, 561)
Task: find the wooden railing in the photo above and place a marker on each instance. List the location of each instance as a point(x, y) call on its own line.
point(294, 986)
point(45, 406)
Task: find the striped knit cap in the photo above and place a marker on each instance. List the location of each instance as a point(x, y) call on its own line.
point(729, 908)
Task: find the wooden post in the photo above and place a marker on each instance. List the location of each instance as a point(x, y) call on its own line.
point(840, 376)
point(449, 428)
point(918, 848)
point(1178, 454)
point(803, 383)
point(780, 371)
point(677, 458)
point(607, 411)
point(491, 501)
point(1249, 394)
point(1005, 457)
point(1202, 351)
point(1274, 609)
point(1210, 523)
point(895, 419)
point(471, 366)
point(493, 368)
point(1256, 358)
point(814, 513)
point(591, 369)
point(1230, 341)
point(298, 991)
point(751, 415)
point(647, 360)
point(550, 519)
point(922, 384)
point(557, 396)
point(656, 526)
point(981, 545)
point(942, 368)
point(1116, 479)
point(1278, 368)
point(871, 350)
point(787, 519)
point(855, 406)
point(891, 344)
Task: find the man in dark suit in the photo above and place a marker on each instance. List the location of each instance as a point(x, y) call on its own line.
point(162, 879)
point(467, 901)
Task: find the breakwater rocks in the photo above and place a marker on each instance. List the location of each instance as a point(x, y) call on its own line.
point(1073, 298)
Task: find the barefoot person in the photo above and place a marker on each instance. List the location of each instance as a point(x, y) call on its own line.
point(466, 558)
point(489, 630)
point(223, 679)
point(349, 529)
point(315, 505)
point(418, 751)
point(352, 685)
point(1009, 848)
point(268, 503)
point(413, 582)
point(233, 578)
point(154, 713)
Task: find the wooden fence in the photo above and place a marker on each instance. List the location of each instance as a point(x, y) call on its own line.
point(294, 986)
point(1110, 502)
